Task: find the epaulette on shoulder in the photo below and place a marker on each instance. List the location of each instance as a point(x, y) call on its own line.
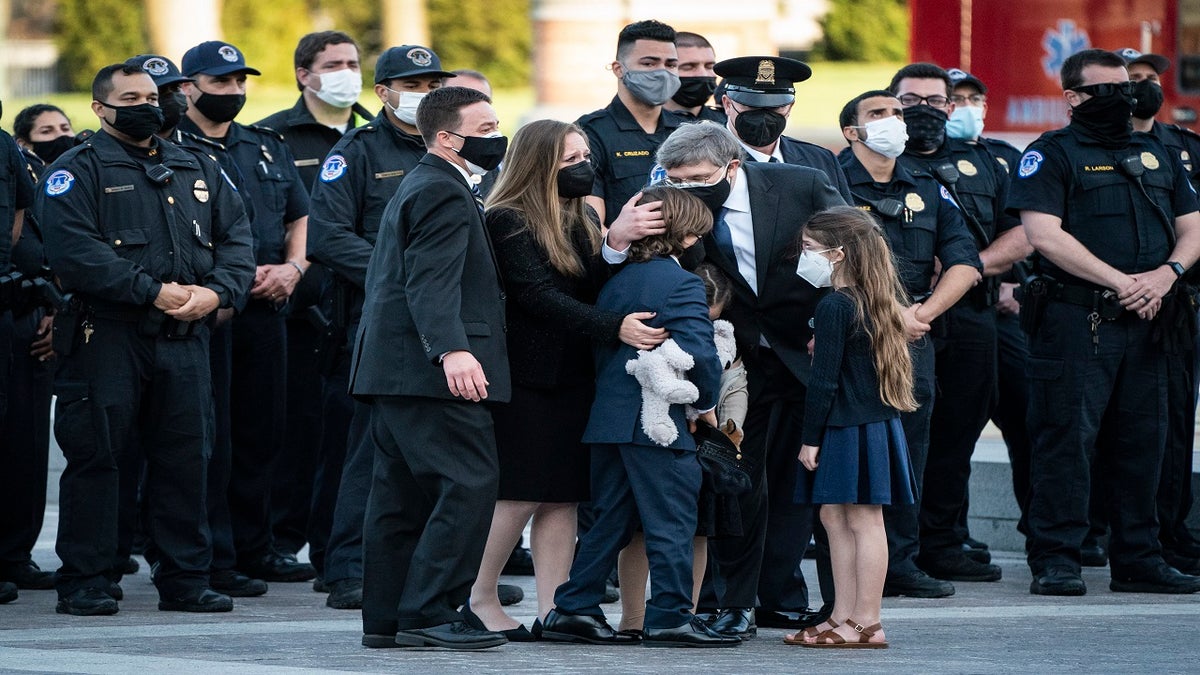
point(265, 130)
point(1186, 132)
point(595, 114)
point(200, 140)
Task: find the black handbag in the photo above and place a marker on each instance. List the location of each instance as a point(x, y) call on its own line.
point(726, 469)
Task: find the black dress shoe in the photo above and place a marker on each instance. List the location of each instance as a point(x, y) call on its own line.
point(236, 585)
point(87, 602)
point(28, 575)
point(1161, 579)
point(769, 618)
point(707, 615)
point(8, 592)
point(131, 566)
point(201, 600)
point(735, 622)
point(1182, 563)
point(278, 567)
point(562, 627)
point(518, 634)
point(319, 585)
point(454, 635)
point(520, 563)
point(379, 641)
point(345, 594)
point(691, 634)
point(956, 566)
point(1058, 581)
point(979, 554)
point(114, 591)
point(1093, 556)
point(509, 594)
point(917, 584)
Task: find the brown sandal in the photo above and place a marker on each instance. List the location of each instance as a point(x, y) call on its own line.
point(810, 632)
point(831, 640)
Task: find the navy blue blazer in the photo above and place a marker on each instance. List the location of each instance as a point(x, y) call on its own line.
point(658, 285)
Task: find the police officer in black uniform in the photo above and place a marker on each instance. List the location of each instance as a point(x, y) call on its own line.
point(624, 136)
point(759, 95)
point(965, 339)
point(921, 221)
point(697, 81)
point(261, 165)
point(357, 180)
point(1115, 224)
point(151, 241)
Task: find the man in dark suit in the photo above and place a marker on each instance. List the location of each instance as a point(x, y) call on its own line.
point(430, 349)
point(758, 211)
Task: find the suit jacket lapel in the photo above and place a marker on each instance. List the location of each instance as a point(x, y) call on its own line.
point(476, 207)
point(764, 212)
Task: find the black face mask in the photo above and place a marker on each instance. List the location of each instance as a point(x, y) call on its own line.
point(713, 196)
point(48, 151)
point(694, 91)
point(926, 128)
point(576, 180)
point(138, 122)
point(173, 105)
point(483, 151)
point(220, 108)
point(1149, 99)
point(1105, 119)
point(759, 127)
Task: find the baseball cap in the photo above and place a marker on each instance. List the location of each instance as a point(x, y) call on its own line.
point(1156, 61)
point(215, 58)
point(408, 61)
point(959, 77)
point(160, 68)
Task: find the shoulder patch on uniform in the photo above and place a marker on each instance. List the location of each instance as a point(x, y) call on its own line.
point(657, 174)
point(1030, 163)
point(946, 195)
point(333, 168)
point(59, 183)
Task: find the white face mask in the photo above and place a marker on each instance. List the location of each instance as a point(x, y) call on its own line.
point(815, 268)
point(340, 88)
point(406, 106)
point(886, 136)
point(966, 123)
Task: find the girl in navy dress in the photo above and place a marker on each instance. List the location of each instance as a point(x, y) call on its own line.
point(853, 452)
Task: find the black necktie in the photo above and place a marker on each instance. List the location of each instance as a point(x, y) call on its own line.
point(723, 236)
point(478, 196)
point(773, 160)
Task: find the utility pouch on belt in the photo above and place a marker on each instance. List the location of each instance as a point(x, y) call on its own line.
point(66, 328)
point(1035, 294)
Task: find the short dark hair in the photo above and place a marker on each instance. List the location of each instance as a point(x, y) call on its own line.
point(849, 115)
point(686, 39)
point(314, 43)
point(441, 110)
point(102, 85)
point(922, 71)
point(24, 121)
point(643, 30)
point(467, 72)
point(1072, 67)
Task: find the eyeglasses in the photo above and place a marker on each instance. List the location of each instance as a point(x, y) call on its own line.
point(975, 99)
point(690, 182)
point(1105, 89)
point(809, 249)
point(935, 101)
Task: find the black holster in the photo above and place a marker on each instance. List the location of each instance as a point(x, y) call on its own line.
point(66, 328)
point(1175, 325)
point(329, 339)
point(1034, 296)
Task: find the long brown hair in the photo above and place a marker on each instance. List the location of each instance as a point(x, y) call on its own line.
point(684, 215)
point(529, 185)
point(867, 274)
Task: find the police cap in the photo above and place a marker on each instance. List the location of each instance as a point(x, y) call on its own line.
point(959, 77)
point(762, 81)
point(160, 68)
point(408, 61)
point(1156, 61)
point(215, 58)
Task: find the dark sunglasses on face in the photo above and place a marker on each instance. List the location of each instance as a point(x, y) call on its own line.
point(1105, 89)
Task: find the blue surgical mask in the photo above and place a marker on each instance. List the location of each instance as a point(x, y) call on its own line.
point(966, 123)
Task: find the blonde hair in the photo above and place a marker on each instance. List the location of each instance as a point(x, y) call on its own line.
point(868, 275)
point(529, 185)
point(684, 215)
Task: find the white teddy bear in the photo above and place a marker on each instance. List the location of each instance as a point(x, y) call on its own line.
point(662, 374)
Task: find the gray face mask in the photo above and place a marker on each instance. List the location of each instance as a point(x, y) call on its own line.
point(652, 87)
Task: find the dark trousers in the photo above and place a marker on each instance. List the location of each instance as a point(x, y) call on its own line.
point(660, 486)
point(257, 401)
point(24, 439)
point(1090, 403)
point(433, 491)
point(901, 521)
point(344, 555)
point(118, 393)
point(337, 411)
point(1175, 484)
point(966, 387)
point(762, 567)
point(294, 484)
point(219, 467)
point(1012, 405)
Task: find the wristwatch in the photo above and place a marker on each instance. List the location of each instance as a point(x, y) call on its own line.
point(1176, 268)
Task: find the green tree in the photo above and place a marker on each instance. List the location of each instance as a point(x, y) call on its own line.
point(494, 37)
point(864, 30)
point(267, 33)
point(94, 33)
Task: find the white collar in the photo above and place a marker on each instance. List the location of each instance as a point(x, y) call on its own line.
point(739, 194)
point(758, 156)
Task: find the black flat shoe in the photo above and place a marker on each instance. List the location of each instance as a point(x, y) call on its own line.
point(278, 567)
point(454, 635)
point(345, 594)
point(957, 566)
point(561, 627)
point(203, 600)
point(379, 641)
point(520, 563)
point(1161, 579)
point(509, 594)
point(917, 584)
point(236, 585)
point(1093, 556)
point(1058, 581)
point(788, 620)
point(691, 634)
point(28, 575)
point(735, 622)
point(518, 634)
point(114, 591)
point(87, 602)
point(8, 592)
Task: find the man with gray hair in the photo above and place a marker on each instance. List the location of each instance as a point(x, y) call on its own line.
point(758, 210)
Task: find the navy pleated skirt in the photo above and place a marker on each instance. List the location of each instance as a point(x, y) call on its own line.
point(864, 464)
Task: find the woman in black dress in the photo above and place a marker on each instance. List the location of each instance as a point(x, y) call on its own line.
point(547, 244)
